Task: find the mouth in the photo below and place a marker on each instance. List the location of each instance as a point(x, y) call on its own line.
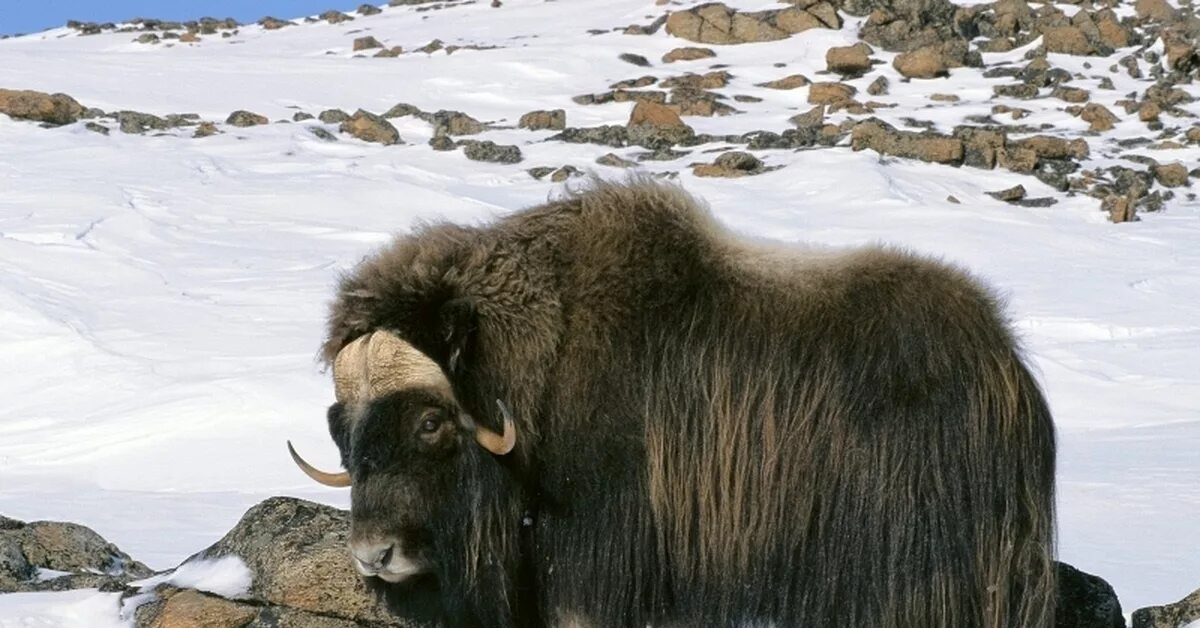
point(395, 569)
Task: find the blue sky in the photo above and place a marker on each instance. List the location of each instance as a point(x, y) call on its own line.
point(28, 16)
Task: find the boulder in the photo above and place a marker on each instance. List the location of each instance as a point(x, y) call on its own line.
point(883, 138)
point(54, 556)
point(490, 151)
point(54, 109)
point(1181, 613)
point(715, 23)
point(243, 118)
point(849, 60)
point(922, 63)
point(1098, 117)
point(366, 43)
point(555, 119)
point(1086, 601)
point(1171, 175)
point(1069, 40)
point(829, 93)
point(688, 53)
point(732, 164)
point(788, 82)
point(369, 127)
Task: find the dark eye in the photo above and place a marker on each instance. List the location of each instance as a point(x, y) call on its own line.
point(432, 422)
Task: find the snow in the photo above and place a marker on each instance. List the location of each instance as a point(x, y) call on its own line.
point(162, 297)
point(226, 576)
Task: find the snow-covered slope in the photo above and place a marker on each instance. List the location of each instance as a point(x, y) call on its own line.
point(162, 297)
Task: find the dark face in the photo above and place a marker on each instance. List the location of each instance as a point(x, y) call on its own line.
point(401, 451)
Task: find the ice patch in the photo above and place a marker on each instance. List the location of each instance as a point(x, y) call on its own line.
point(84, 608)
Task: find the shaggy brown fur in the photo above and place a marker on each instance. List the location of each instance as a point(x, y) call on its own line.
point(715, 432)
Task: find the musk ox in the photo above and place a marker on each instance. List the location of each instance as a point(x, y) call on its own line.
point(608, 410)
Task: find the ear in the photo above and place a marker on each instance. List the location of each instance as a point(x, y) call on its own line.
point(339, 430)
point(457, 320)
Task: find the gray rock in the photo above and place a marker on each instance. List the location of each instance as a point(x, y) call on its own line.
point(1084, 600)
point(90, 560)
point(138, 122)
point(243, 118)
point(490, 151)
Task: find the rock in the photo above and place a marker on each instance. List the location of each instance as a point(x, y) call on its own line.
point(243, 118)
point(922, 63)
point(1086, 601)
point(453, 123)
point(654, 115)
point(205, 129)
point(878, 87)
point(271, 23)
point(613, 160)
point(1066, 40)
point(138, 122)
point(335, 17)
point(333, 116)
point(322, 134)
point(564, 173)
point(394, 51)
point(366, 43)
point(688, 53)
point(1174, 615)
point(1071, 94)
point(369, 127)
point(368, 9)
point(710, 80)
point(147, 38)
point(555, 119)
point(814, 117)
point(1173, 176)
point(402, 109)
point(849, 60)
point(1098, 117)
point(637, 60)
point(301, 116)
point(189, 38)
point(715, 23)
point(432, 47)
point(1049, 147)
point(788, 82)
point(1023, 91)
point(981, 145)
point(828, 93)
point(491, 152)
point(55, 109)
point(641, 81)
point(442, 143)
point(1014, 193)
point(730, 165)
point(96, 128)
point(1155, 10)
point(88, 559)
point(884, 139)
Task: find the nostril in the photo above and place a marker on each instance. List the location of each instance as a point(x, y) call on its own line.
point(385, 556)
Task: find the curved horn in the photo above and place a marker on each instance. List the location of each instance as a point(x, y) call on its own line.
point(350, 369)
point(336, 480)
point(499, 444)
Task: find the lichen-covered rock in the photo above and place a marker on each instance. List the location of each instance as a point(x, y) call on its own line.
point(688, 53)
point(367, 42)
point(788, 82)
point(492, 152)
point(922, 63)
point(369, 127)
point(1171, 175)
point(243, 118)
point(1180, 613)
point(138, 122)
point(732, 164)
point(84, 557)
point(54, 109)
point(715, 23)
point(849, 60)
point(1098, 117)
point(453, 123)
point(333, 116)
point(555, 119)
point(829, 93)
point(1069, 40)
point(883, 138)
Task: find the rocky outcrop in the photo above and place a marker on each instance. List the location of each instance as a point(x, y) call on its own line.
point(715, 23)
point(1181, 613)
point(55, 109)
point(369, 127)
point(555, 119)
point(56, 556)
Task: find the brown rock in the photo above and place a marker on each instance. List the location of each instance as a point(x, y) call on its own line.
point(1099, 117)
point(1017, 158)
point(243, 118)
point(189, 38)
point(878, 87)
point(538, 120)
point(814, 117)
point(828, 93)
point(394, 51)
point(1181, 53)
point(205, 129)
point(751, 27)
point(794, 20)
point(1009, 195)
point(1071, 94)
point(849, 60)
point(366, 43)
point(923, 63)
point(787, 82)
point(654, 115)
point(944, 97)
point(710, 80)
point(688, 53)
point(884, 139)
point(1173, 176)
point(1193, 134)
point(192, 609)
point(981, 145)
point(1157, 10)
point(335, 17)
point(271, 23)
point(1111, 31)
point(1180, 613)
point(1066, 40)
point(39, 106)
point(1049, 147)
point(369, 127)
point(732, 164)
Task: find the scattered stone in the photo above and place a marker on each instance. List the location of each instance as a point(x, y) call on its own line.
point(432, 47)
point(1171, 175)
point(87, 560)
point(1023, 91)
point(96, 128)
point(366, 43)
point(814, 117)
point(1069, 40)
point(637, 60)
point(402, 109)
point(205, 129)
point(243, 118)
point(849, 61)
point(1155, 10)
point(334, 116)
point(641, 81)
point(387, 53)
point(952, 199)
point(828, 93)
point(1071, 94)
point(1014, 193)
point(613, 160)
point(442, 143)
point(453, 123)
point(731, 165)
point(490, 151)
point(788, 82)
point(369, 127)
point(301, 116)
point(555, 119)
point(944, 97)
point(147, 38)
point(335, 17)
point(1098, 117)
point(56, 109)
point(189, 38)
point(688, 53)
point(715, 23)
point(746, 98)
point(878, 87)
point(884, 139)
point(710, 80)
point(271, 23)
point(322, 134)
point(368, 9)
point(138, 122)
point(922, 63)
